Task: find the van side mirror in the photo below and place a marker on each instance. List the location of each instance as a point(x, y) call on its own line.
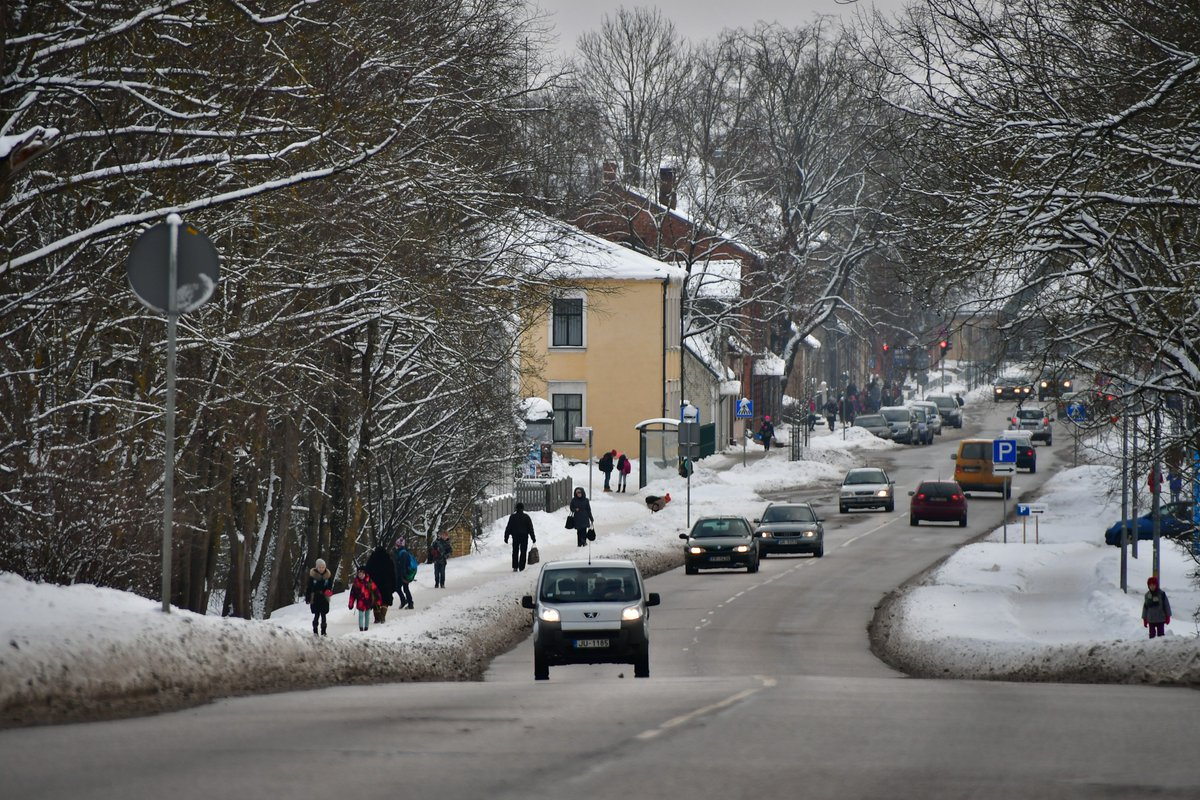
point(683, 536)
point(954, 456)
point(527, 602)
point(653, 599)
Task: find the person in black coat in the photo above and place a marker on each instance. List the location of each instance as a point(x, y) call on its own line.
point(317, 593)
point(382, 569)
point(520, 530)
point(581, 510)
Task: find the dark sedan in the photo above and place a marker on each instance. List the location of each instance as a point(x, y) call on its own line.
point(790, 528)
point(720, 543)
point(1013, 389)
point(1174, 522)
point(938, 501)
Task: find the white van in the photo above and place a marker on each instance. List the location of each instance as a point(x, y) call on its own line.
point(593, 611)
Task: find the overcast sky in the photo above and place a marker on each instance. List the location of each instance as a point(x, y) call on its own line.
point(700, 19)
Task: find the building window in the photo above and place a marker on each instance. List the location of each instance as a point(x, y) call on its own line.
point(567, 400)
point(567, 328)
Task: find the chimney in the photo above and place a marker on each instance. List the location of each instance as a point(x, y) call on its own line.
point(610, 172)
point(666, 187)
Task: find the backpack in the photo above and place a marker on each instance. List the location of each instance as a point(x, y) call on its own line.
point(410, 569)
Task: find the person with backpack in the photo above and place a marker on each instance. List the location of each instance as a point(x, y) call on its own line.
point(520, 530)
point(624, 467)
point(606, 466)
point(364, 597)
point(441, 550)
point(406, 572)
point(1156, 608)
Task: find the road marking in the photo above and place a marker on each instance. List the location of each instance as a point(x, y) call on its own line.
point(709, 709)
point(878, 527)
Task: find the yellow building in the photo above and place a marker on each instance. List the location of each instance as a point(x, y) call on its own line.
point(607, 355)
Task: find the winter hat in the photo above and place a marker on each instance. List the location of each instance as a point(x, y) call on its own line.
point(320, 565)
point(520, 506)
point(1152, 581)
point(400, 542)
point(767, 417)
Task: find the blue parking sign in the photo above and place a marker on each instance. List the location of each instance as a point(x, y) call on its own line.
point(1004, 451)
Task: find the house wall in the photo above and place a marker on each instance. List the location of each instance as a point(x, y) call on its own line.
point(621, 365)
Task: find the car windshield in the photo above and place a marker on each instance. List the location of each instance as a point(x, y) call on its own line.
point(921, 415)
point(938, 489)
point(1030, 413)
point(870, 421)
point(897, 415)
point(944, 402)
point(866, 476)
point(789, 514)
point(706, 528)
point(588, 584)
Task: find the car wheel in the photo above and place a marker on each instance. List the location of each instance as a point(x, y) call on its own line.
point(763, 554)
point(541, 665)
point(1049, 441)
point(912, 520)
point(752, 566)
point(689, 569)
point(1033, 469)
point(820, 551)
point(962, 523)
point(641, 667)
point(843, 509)
point(890, 506)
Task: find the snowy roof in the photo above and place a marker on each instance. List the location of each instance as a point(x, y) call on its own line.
point(703, 348)
point(571, 253)
point(536, 409)
point(716, 279)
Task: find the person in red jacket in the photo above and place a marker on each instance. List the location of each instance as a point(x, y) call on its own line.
point(364, 596)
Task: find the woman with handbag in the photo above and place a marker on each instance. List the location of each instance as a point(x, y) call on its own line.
point(581, 515)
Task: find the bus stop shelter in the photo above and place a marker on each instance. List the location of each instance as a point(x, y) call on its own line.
point(658, 450)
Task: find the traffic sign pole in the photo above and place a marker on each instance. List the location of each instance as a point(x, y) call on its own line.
point(173, 223)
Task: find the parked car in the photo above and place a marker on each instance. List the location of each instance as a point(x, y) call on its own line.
point(1026, 452)
point(720, 543)
point(932, 412)
point(1036, 421)
point(593, 611)
point(790, 528)
point(875, 423)
point(903, 422)
point(867, 487)
point(949, 408)
point(938, 501)
point(1174, 522)
point(1015, 389)
point(924, 425)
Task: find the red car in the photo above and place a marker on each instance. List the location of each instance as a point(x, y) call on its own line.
point(938, 501)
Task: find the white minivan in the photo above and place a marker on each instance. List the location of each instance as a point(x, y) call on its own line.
point(590, 611)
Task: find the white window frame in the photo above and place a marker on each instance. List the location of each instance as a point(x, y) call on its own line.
point(570, 387)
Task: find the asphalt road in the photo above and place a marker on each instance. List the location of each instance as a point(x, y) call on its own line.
point(761, 686)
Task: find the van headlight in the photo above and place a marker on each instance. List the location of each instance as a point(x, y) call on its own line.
point(550, 615)
point(631, 613)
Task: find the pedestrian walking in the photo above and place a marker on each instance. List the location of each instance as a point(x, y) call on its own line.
point(606, 466)
point(581, 516)
point(439, 552)
point(831, 412)
point(624, 467)
point(382, 569)
point(406, 572)
point(317, 594)
point(767, 432)
point(364, 596)
point(520, 530)
point(1156, 608)
point(812, 415)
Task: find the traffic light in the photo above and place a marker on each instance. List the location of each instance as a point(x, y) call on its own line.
point(886, 347)
point(944, 344)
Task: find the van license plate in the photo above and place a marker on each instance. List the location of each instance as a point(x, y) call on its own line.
point(584, 643)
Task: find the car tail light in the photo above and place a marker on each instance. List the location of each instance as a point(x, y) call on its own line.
point(920, 495)
point(956, 497)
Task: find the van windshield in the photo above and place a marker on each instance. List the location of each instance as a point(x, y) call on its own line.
point(589, 584)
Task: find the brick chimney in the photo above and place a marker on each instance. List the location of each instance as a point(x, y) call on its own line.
point(666, 187)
